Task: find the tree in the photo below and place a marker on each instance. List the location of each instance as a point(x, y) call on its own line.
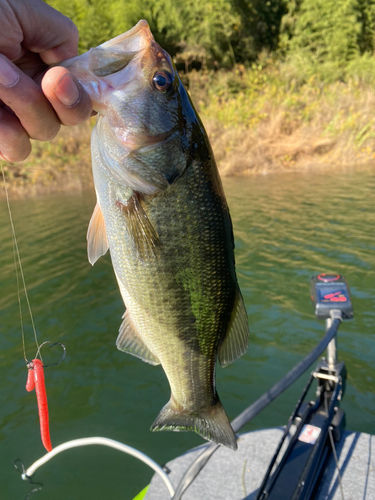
point(219, 33)
point(367, 39)
point(92, 18)
point(330, 30)
point(213, 27)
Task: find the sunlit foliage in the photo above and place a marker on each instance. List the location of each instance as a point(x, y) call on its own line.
point(213, 33)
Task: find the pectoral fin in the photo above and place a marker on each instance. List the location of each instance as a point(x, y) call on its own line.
point(144, 235)
point(97, 243)
point(130, 341)
point(236, 340)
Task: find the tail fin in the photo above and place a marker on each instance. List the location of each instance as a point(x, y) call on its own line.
point(212, 424)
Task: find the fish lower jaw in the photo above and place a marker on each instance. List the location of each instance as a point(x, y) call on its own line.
point(140, 143)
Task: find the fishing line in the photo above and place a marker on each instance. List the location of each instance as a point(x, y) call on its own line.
point(19, 301)
point(336, 461)
point(17, 258)
point(334, 449)
point(52, 169)
point(18, 465)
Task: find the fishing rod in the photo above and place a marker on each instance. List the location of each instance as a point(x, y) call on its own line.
point(26, 474)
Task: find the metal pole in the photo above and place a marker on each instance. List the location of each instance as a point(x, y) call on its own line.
point(332, 346)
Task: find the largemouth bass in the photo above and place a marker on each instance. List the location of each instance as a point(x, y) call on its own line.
point(162, 213)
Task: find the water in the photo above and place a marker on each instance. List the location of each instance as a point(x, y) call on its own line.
point(287, 227)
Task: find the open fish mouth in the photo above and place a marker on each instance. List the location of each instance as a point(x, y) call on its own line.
point(116, 54)
point(107, 67)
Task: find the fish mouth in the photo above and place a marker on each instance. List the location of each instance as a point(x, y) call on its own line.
point(114, 55)
point(137, 38)
point(102, 67)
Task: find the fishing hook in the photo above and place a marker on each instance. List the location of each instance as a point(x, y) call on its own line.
point(56, 343)
point(18, 465)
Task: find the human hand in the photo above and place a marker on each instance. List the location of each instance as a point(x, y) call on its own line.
point(33, 35)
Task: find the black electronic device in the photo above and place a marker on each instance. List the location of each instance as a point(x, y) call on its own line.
point(331, 291)
point(296, 469)
point(300, 469)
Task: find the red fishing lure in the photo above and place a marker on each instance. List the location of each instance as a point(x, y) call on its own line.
point(35, 378)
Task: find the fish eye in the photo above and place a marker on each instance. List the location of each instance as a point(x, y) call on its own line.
point(162, 80)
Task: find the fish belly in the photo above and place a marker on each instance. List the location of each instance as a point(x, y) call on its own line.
point(179, 299)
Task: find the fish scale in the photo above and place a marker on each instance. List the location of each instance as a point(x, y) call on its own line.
point(162, 213)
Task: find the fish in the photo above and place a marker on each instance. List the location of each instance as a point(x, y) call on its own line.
point(162, 213)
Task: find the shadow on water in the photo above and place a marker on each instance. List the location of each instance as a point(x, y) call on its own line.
point(287, 227)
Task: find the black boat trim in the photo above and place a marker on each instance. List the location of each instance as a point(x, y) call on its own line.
point(254, 409)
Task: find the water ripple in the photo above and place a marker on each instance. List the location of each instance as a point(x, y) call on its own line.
point(287, 227)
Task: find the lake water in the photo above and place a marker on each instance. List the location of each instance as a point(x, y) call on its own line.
point(287, 227)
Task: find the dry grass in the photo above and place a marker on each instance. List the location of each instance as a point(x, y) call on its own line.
point(242, 151)
point(61, 165)
point(316, 124)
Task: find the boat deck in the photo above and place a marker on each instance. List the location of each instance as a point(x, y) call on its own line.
point(237, 475)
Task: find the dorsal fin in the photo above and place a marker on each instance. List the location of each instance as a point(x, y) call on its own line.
point(144, 235)
point(97, 243)
point(129, 341)
point(236, 340)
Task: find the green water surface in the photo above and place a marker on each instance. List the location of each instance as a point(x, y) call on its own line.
point(287, 227)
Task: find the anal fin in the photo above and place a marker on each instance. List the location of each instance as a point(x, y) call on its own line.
point(237, 337)
point(129, 341)
point(97, 243)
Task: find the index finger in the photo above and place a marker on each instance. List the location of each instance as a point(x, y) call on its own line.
point(27, 101)
point(39, 28)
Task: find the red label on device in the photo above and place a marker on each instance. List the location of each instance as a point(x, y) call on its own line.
point(309, 434)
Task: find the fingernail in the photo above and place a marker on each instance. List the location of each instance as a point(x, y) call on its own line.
point(67, 91)
point(8, 75)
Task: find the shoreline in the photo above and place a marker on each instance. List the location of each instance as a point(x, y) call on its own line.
point(258, 121)
point(65, 184)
